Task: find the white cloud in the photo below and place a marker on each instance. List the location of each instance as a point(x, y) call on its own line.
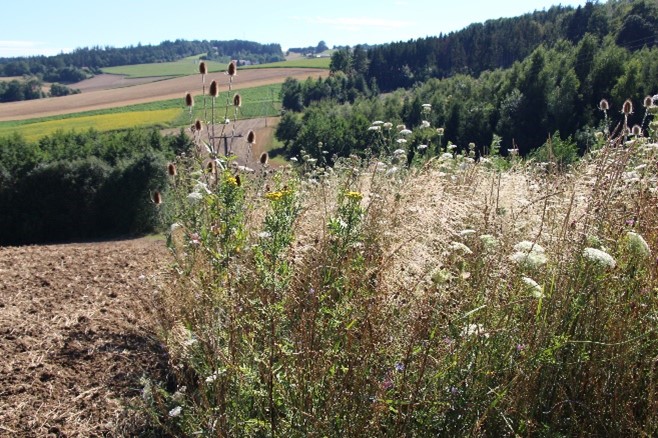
point(10, 49)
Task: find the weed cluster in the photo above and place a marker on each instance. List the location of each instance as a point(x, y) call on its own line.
point(447, 298)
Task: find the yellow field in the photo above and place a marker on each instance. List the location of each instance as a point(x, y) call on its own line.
point(105, 122)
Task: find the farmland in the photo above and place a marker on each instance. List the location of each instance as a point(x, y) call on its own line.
point(258, 102)
point(189, 66)
point(145, 93)
point(183, 67)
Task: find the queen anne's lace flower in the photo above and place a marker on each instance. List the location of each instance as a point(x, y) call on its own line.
point(599, 257)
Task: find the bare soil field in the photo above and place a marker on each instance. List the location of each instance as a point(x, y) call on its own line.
point(149, 92)
point(76, 335)
point(108, 82)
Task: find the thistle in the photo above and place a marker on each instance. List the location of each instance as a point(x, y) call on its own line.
point(232, 68)
point(189, 102)
point(626, 109)
point(156, 197)
point(214, 89)
point(605, 106)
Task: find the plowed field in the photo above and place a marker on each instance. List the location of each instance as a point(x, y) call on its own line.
point(76, 336)
point(98, 98)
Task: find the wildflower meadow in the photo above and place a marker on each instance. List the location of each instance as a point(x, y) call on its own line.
point(409, 291)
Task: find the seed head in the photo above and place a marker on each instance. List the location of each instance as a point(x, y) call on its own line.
point(189, 100)
point(232, 68)
point(251, 137)
point(264, 158)
point(171, 169)
point(237, 100)
point(214, 89)
point(627, 108)
point(636, 131)
point(604, 105)
point(156, 198)
point(211, 166)
point(203, 69)
point(238, 181)
point(197, 125)
point(648, 101)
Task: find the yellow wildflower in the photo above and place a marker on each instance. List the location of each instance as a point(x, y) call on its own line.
point(357, 196)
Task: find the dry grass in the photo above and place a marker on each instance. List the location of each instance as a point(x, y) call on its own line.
point(413, 288)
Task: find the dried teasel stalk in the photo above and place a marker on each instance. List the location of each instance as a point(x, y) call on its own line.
point(214, 89)
point(189, 100)
point(232, 68)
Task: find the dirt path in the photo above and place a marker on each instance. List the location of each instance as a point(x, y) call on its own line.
point(149, 92)
point(76, 335)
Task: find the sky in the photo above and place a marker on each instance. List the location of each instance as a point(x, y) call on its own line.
point(48, 27)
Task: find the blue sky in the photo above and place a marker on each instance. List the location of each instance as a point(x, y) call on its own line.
point(48, 27)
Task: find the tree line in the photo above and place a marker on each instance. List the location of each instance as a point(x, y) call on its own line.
point(555, 90)
point(77, 65)
point(31, 88)
point(82, 185)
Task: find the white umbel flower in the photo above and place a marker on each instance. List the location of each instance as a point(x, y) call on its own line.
point(599, 257)
point(533, 287)
point(637, 245)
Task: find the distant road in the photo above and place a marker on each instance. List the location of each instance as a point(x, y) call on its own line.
point(96, 99)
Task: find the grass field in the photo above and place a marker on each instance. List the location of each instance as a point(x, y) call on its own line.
point(183, 67)
point(258, 102)
point(294, 63)
point(189, 66)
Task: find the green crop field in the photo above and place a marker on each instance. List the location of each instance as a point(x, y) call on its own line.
point(295, 63)
point(183, 67)
point(257, 102)
point(102, 122)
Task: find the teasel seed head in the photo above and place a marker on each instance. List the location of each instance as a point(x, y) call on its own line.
point(232, 68)
point(636, 131)
point(251, 137)
point(203, 69)
point(189, 100)
point(604, 105)
point(214, 89)
point(156, 197)
point(264, 158)
point(238, 181)
point(627, 108)
point(171, 169)
point(237, 100)
point(211, 167)
point(197, 125)
point(648, 101)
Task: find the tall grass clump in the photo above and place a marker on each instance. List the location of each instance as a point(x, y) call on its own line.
point(396, 297)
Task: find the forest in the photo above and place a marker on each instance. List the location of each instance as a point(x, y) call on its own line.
point(484, 86)
point(82, 185)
